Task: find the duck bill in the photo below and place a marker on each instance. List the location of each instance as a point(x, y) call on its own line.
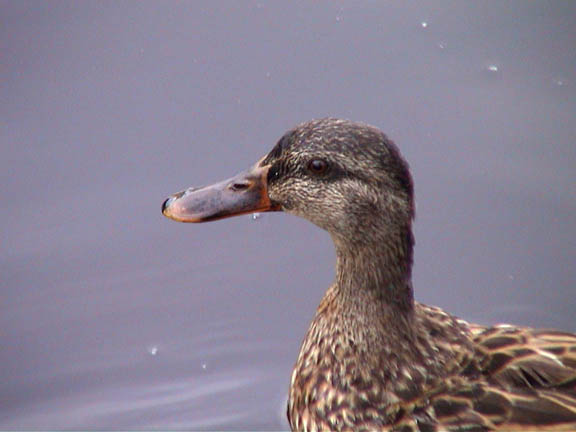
point(244, 193)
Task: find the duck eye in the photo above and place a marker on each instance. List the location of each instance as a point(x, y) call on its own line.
point(318, 166)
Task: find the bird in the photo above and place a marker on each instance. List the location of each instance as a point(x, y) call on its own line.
point(373, 358)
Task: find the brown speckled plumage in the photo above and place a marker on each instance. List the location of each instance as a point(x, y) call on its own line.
point(374, 359)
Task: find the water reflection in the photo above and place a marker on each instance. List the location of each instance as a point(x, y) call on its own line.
point(177, 390)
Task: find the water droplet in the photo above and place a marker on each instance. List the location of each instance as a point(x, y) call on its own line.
point(153, 350)
point(255, 216)
point(204, 366)
point(424, 24)
point(441, 45)
point(559, 82)
point(493, 68)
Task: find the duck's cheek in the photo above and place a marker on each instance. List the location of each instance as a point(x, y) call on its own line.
point(320, 216)
point(280, 202)
point(286, 196)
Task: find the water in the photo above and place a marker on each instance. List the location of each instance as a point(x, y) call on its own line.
point(114, 317)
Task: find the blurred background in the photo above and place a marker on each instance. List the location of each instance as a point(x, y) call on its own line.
point(113, 317)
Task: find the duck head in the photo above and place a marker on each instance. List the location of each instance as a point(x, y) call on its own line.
point(346, 177)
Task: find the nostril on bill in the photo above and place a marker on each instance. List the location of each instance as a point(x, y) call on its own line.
point(239, 186)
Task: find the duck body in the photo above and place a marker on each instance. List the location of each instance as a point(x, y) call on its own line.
point(373, 358)
point(460, 377)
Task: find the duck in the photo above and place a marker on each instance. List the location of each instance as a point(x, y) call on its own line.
point(373, 358)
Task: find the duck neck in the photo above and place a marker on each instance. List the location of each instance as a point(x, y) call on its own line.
point(375, 275)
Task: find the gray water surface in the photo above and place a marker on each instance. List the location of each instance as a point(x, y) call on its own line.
point(113, 317)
